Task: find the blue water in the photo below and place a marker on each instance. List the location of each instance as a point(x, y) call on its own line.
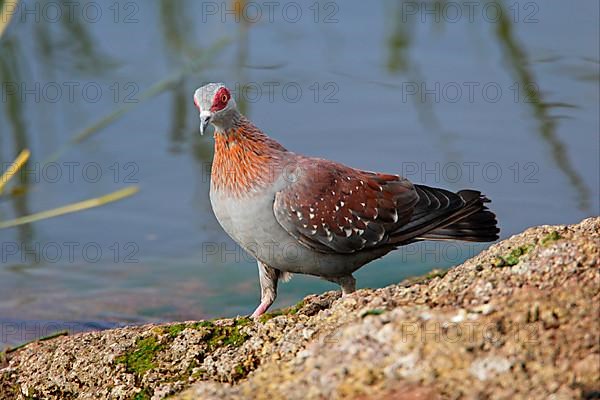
point(507, 105)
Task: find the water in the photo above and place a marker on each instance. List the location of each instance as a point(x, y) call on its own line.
point(507, 104)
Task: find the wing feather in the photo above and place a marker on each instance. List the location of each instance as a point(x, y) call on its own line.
point(333, 208)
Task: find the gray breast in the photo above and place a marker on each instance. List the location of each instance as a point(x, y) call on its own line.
point(251, 223)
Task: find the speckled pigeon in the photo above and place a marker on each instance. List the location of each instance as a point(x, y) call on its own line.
point(305, 215)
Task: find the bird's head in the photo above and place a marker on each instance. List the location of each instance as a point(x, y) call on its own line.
point(216, 106)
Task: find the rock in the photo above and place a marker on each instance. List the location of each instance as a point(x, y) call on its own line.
point(520, 320)
point(488, 367)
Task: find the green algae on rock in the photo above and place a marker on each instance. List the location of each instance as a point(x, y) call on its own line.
point(514, 256)
point(293, 310)
point(142, 358)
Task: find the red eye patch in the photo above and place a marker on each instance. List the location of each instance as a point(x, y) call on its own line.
point(220, 100)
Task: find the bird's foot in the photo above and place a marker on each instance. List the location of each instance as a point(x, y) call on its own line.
point(348, 285)
point(260, 310)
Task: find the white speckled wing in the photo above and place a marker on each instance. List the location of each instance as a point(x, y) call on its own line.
point(333, 208)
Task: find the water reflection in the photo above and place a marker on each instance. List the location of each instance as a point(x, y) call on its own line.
point(399, 62)
point(520, 67)
point(10, 67)
point(174, 17)
point(400, 40)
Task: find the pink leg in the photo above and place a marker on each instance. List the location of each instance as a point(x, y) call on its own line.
point(268, 288)
point(260, 310)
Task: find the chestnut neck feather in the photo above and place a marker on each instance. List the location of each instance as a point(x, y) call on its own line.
point(245, 160)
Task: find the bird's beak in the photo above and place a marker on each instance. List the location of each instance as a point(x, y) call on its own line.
point(204, 121)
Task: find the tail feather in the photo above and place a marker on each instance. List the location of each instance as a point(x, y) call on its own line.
point(478, 227)
point(443, 215)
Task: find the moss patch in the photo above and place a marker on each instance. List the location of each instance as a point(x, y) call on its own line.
point(227, 335)
point(551, 237)
point(293, 310)
point(241, 371)
point(142, 358)
point(143, 395)
point(423, 279)
point(267, 316)
point(513, 257)
point(375, 311)
point(436, 273)
point(216, 335)
point(174, 330)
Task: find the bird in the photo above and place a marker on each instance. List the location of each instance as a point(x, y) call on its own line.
point(297, 214)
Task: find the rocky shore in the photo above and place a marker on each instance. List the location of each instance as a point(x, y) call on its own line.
point(520, 320)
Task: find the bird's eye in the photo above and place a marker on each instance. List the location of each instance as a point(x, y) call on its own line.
point(220, 100)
